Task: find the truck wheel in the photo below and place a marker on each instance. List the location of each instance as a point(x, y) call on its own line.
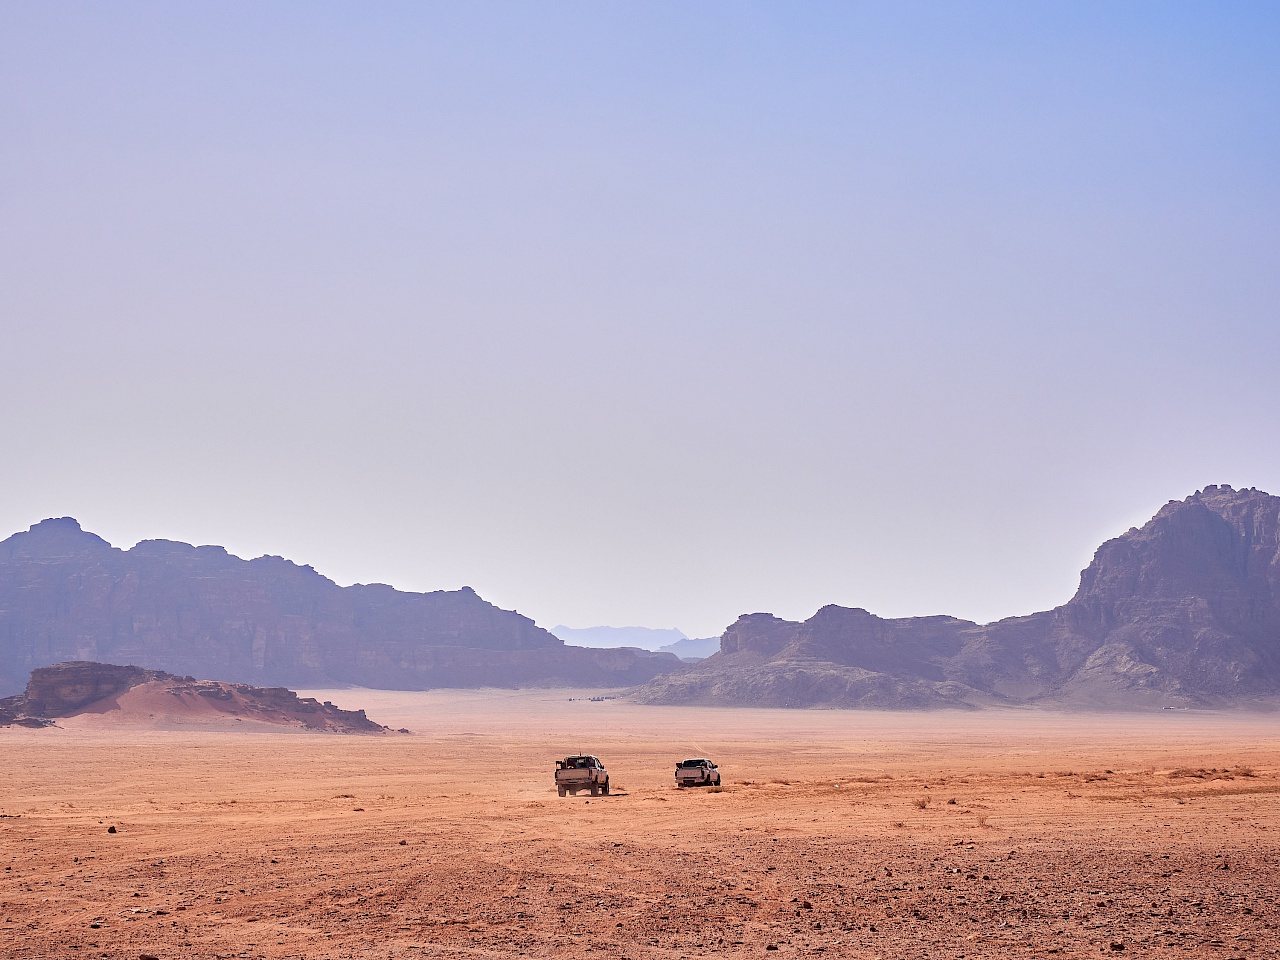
point(605, 788)
point(561, 790)
point(717, 783)
point(595, 789)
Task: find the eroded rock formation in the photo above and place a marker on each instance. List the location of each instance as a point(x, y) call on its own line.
point(66, 594)
point(1184, 611)
point(68, 689)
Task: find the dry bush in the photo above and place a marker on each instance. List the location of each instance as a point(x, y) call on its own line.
point(921, 802)
point(1200, 773)
point(1244, 771)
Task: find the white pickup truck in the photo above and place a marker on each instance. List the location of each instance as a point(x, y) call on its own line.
point(581, 773)
point(698, 772)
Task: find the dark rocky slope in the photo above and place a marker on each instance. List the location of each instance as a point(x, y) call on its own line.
point(66, 594)
point(1183, 612)
point(69, 689)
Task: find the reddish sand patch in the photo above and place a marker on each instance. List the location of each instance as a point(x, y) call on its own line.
point(835, 835)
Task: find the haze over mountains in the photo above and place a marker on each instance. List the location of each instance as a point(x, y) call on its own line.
point(68, 595)
point(646, 638)
point(1183, 612)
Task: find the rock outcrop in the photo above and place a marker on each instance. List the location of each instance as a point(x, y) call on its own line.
point(70, 689)
point(66, 594)
point(1183, 612)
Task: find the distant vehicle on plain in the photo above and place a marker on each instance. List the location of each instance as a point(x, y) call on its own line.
point(698, 772)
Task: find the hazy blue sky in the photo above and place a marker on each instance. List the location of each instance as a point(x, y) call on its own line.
point(641, 313)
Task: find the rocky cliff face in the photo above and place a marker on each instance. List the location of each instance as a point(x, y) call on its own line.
point(64, 688)
point(66, 594)
point(68, 689)
point(1185, 611)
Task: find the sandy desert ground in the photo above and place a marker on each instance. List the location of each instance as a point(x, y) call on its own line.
point(836, 834)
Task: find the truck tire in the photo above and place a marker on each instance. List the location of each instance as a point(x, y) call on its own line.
point(561, 790)
point(595, 789)
point(605, 789)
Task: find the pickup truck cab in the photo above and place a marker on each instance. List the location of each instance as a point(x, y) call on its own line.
point(581, 773)
point(698, 772)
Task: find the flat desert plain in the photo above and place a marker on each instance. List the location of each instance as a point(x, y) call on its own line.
point(837, 833)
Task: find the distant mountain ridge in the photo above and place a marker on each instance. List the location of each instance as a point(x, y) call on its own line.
point(1182, 612)
point(643, 638)
point(68, 595)
point(693, 648)
point(659, 640)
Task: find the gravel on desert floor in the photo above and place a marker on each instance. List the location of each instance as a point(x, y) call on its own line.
point(836, 833)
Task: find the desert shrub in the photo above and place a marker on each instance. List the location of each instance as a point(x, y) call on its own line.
point(921, 802)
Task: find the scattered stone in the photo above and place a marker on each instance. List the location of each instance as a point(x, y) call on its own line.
point(111, 829)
